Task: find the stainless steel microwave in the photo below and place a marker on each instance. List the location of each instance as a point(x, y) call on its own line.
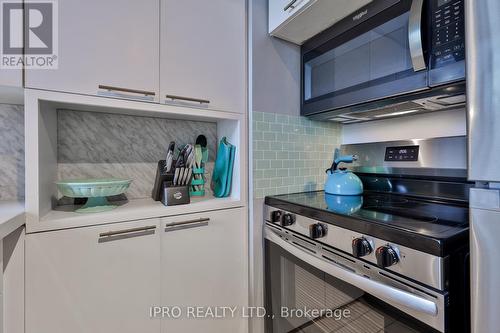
point(390, 58)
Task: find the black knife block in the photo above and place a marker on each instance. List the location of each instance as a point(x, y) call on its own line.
point(161, 178)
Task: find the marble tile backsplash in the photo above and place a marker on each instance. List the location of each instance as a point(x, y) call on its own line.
point(97, 145)
point(291, 153)
point(11, 152)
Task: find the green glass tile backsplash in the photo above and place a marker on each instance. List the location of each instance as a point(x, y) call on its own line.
point(291, 153)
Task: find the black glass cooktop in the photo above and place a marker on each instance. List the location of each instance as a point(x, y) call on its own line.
point(372, 212)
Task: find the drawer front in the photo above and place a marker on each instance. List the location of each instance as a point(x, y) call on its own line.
point(204, 263)
point(96, 279)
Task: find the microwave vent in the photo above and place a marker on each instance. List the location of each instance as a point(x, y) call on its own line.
point(417, 106)
point(380, 113)
point(451, 100)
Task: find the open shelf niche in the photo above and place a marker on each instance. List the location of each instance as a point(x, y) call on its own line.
point(41, 128)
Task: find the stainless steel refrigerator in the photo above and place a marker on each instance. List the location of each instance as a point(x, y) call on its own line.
point(483, 95)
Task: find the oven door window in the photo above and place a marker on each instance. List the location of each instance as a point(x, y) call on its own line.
point(303, 299)
point(367, 62)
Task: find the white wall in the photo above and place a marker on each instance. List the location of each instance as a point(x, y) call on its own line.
point(429, 125)
point(275, 67)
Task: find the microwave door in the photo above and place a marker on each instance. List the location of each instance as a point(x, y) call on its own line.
point(381, 57)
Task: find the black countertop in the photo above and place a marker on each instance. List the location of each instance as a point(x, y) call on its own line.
point(430, 226)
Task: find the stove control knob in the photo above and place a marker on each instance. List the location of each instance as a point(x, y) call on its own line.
point(276, 216)
point(287, 219)
point(317, 230)
point(361, 247)
point(386, 256)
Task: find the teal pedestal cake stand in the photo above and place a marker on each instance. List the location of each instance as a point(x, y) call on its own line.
point(96, 190)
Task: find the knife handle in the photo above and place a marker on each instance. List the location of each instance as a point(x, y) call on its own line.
point(176, 175)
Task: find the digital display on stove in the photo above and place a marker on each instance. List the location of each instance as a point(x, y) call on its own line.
point(401, 154)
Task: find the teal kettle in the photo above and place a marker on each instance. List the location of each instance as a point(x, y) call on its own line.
point(341, 181)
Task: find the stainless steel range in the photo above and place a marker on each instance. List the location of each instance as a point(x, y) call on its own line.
point(394, 259)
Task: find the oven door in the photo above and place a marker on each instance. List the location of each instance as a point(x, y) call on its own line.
point(310, 290)
point(382, 56)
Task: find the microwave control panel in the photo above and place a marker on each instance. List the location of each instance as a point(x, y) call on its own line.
point(448, 32)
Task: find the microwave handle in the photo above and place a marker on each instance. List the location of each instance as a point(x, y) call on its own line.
point(377, 289)
point(415, 35)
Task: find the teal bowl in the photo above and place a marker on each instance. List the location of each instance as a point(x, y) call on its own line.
point(96, 190)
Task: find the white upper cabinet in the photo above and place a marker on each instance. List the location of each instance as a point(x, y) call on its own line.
point(193, 51)
point(298, 20)
point(282, 10)
point(203, 52)
point(109, 43)
point(97, 279)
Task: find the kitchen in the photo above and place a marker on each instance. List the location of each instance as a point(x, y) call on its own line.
point(248, 166)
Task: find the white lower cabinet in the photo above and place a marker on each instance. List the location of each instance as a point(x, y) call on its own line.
point(13, 282)
point(204, 264)
point(101, 279)
point(105, 279)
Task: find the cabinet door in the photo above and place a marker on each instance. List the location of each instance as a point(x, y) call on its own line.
point(204, 263)
point(203, 52)
point(112, 43)
point(282, 10)
point(95, 279)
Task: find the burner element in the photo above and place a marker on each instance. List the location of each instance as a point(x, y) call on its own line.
point(386, 207)
point(385, 201)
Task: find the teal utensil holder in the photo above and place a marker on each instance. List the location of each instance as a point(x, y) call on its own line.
point(198, 182)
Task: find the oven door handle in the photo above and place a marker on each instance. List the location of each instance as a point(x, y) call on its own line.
point(377, 289)
point(415, 36)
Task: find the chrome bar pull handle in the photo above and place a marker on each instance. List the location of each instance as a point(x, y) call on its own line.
point(201, 222)
point(188, 99)
point(290, 5)
point(415, 36)
point(127, 231)
point(386, 293)
point(127, 90)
